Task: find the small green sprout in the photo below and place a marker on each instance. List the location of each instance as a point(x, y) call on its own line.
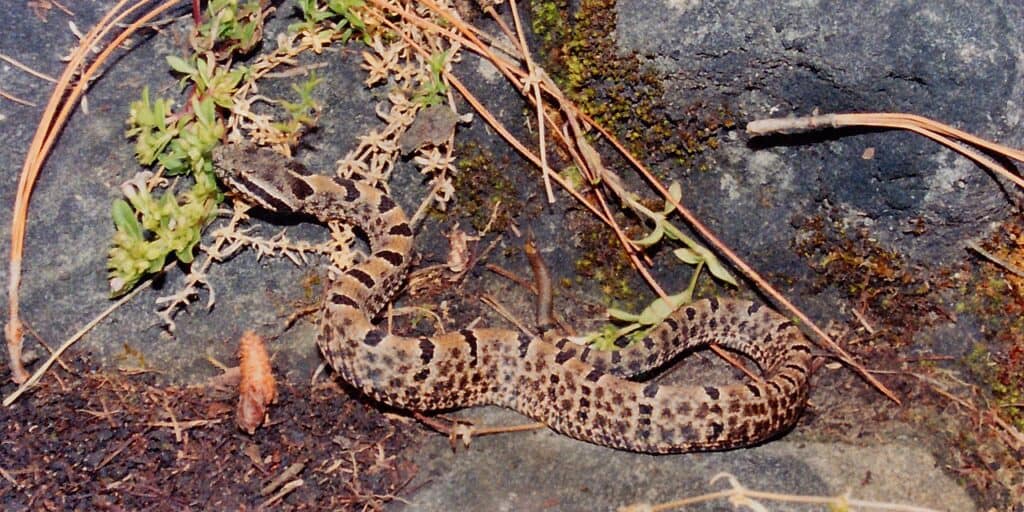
point(693, 253)
point(315, 13)
point(639, 324)
point(304, 112)
point(434, 91)
point(210, 81)
point(229, 27)
point(151, 228)
point(148, 121)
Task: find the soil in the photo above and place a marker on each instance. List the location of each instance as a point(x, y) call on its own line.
point(89, 440)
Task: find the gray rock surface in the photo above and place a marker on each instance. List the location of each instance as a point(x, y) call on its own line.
point(545, 471)
point(953, 61)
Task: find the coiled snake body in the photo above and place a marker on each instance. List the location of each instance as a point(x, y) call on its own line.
point(578, 391)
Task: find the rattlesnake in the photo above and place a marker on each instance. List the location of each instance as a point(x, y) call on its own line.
point(579, 391)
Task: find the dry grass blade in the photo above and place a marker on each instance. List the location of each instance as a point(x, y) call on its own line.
point(533, 82)
point(1006, 265)
point(38, 374)
point(65, 98)
point(741, 497)
point(12, 61)
point(15, 99)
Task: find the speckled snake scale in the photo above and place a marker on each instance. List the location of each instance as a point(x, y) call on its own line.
point(578, 391)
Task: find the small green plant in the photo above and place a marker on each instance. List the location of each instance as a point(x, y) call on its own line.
point(304, 112)
point(317, 18)
point(433, 92)
point(639, 324)
point(693, 253)
point(150, 225)
point(229, 27)
point(150, 228)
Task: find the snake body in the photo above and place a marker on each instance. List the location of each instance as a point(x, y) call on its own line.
point(579, 391)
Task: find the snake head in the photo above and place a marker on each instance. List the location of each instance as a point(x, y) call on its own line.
point(261, 176)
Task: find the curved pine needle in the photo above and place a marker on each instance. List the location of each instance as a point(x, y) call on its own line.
point(47, 131)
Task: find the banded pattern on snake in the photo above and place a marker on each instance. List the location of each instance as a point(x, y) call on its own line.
point(581, 392)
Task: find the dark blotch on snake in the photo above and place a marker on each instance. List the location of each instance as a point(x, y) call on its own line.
point(341, 299)
point(374, 337)
point(392, 257)
point(351, 191)
point(426, 350)
point(300, 188)
point(402, 229)
point(564, 356)
point(524, 344)
point(712, 392)
point(386, 204)
point(716, 430)
point(362, 277)
point(470, 338)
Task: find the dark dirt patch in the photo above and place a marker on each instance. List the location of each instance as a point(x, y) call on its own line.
point(96, 441)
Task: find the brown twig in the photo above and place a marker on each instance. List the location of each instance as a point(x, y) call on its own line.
point(45, 345)
point(941, 133)
point(289, 473)
point(501, 310)
point(65, 10)
point(120, 448)
point(511, 276)
point(178, 435)
point(10, 478)
point(181, 426)
point(863, 321)
point(466, 430)
point(39, 339)
point(542, 279)
point(736, 363)
point(105, 414)
point(289, 487)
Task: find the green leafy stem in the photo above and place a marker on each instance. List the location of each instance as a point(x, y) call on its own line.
point(639, 324)
point(151, 225)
